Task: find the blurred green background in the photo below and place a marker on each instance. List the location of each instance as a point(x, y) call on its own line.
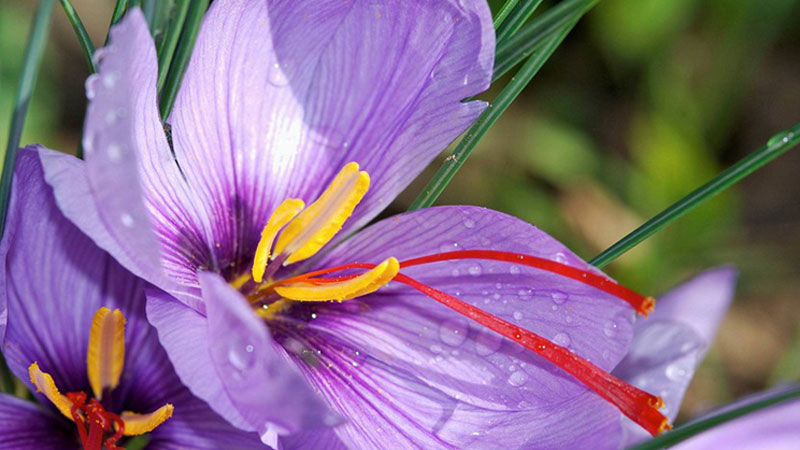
point(643, 102)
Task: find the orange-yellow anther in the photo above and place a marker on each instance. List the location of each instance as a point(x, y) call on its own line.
point(106, 353)
point(144, 423)
point(285, 212)
point(316, 225)
point(44, 383)
point(363, 284)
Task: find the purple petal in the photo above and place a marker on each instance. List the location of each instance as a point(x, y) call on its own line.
point(426, 374)
point(123, 131)
point(26, 426)
point(777, 427)
point(669, 346)
point(267, 391)
point(280, 95)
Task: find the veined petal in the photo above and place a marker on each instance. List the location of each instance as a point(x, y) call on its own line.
point(27, 426)
point(279, 96)
point(437, 378)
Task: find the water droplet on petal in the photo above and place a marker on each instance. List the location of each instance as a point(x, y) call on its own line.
point(517, 378)
point(676, 372)
point(436, 348)
point(562, 339)
point(560, 257)
point(277, 75)
point(455, 272)
point(87, 142)
point(475, 270)
point(91, 84)
point(241, 357)
point(517, 315)
point(610, 328)
point(110, 79)
point(453, 332)
point(514, 270)
point(559, 297)
point(114, 152)
point(568, 319)
point(126, 220)
point(469, 223)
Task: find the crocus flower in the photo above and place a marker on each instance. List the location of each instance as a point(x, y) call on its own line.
point(296, 123)
point(668, 347)
point(73, 327)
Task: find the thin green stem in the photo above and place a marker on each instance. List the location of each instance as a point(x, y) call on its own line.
point(119, 11)
point(182, 56)
point(83, 37)
point(518, 47)
point(170, 42)
point(516, 20)
point(31, 62)
point(776, 146)
point(503, 13)
point(691, 429)
point(27, 80)
point(452, 163)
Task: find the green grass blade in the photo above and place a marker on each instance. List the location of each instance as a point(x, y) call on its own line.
point(119, 11)
point(775, 147)
point(83, 37)
point(503, 13)
point(27, 80)
point(182, 55)
point(691, 429)
point(516, 20)
point(447, 171)
point(170, 42)
point(516, 48)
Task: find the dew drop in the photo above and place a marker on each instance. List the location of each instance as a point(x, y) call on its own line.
point(496, 296)
point(780, 138)
point(87, 142)
point(475, 270)
point(435, 348)
point(514, 270)
point(455, 272)
point(517, 315)
point(110, 79)
point(568, 319)
point(562, 339)
point(91, 84)
point(560, 257)
point(469, 223)
point(675, 372)
point(517, 378)
point(126, 220)
point(277, 76)
point(114, 152)
point(241, 357)
point(453, 332)
point(610, 328)
point(559, 297)
point(606, 354)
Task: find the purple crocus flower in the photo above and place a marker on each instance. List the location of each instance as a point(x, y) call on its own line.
point(668, 347)
point(60, 334)
point(340, 104)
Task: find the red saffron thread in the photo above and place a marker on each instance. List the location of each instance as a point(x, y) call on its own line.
point(99, 421)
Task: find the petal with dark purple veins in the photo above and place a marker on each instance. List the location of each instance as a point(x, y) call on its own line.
point(279, 96)
point(416, 370)
point(27, 426)
point(668, 346)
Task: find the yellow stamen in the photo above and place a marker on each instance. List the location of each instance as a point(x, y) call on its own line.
point(106, 350)
point(286, 211)
point(273, 308)
point(44, 383)
point(363, 284)
point(316, 226)
point(144, 423)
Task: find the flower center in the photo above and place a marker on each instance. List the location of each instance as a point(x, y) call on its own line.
point(306, 231)
point(104, 363)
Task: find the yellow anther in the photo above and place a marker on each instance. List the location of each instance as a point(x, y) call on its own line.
point(144, 423)
point(273, 308)
point(316, 226)
point(286, 211)
point(106, 353)
point(363, 284)
point(44, 383)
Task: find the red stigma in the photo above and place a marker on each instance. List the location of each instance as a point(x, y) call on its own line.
point(636, 404)
point(98, 421)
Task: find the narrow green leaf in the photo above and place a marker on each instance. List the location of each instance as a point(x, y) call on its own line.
point(516, 20)
point(83, 37)
point(516, 48)
point(775, 147)
point(447, 171)
point(182, 55)
point(690, 429)
point(170, 42)
point(27, 80)
point(503, 13)
point(119, 11)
